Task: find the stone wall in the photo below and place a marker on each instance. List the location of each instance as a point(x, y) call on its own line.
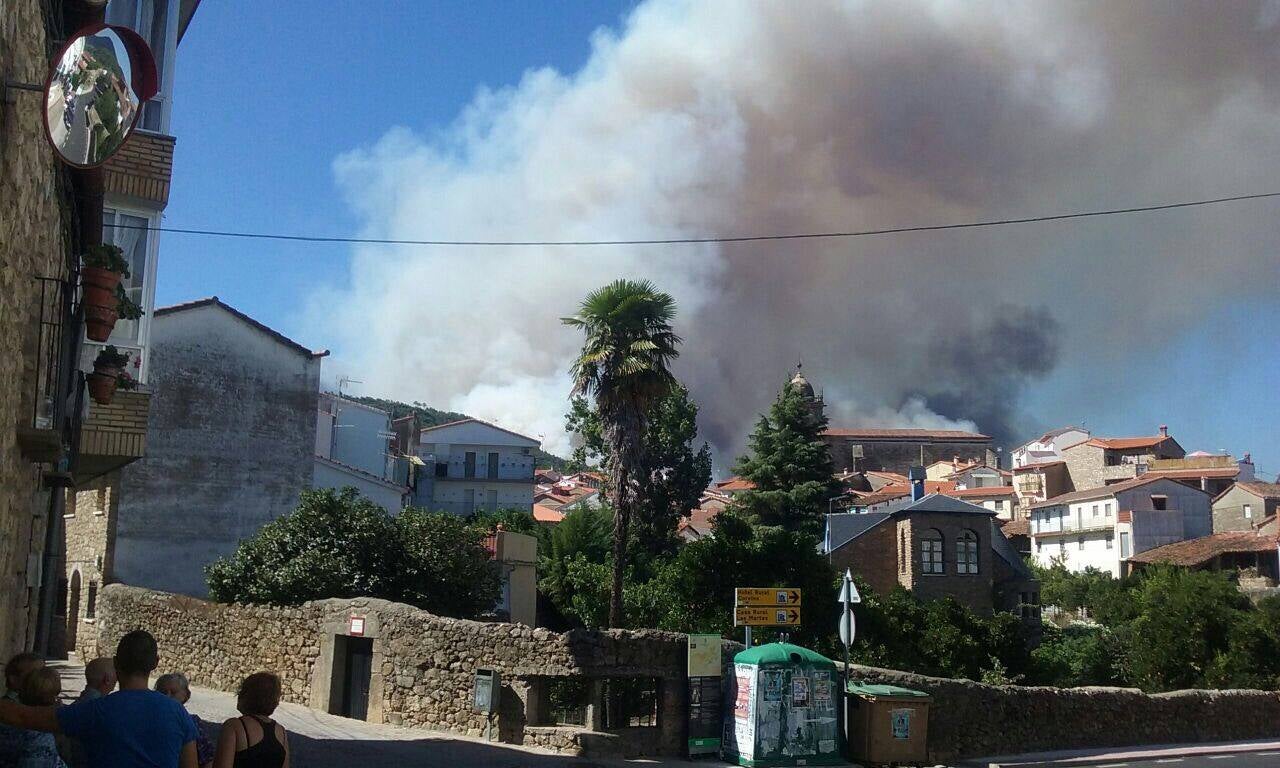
point(31, 244)
point(423, 666)
point(968, 719)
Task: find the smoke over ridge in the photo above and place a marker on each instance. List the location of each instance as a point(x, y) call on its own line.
point(731, 117)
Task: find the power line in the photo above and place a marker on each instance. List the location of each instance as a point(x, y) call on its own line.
point(707, 239)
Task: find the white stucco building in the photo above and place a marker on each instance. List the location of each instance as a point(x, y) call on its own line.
point(472, 465)
point(1102, 527)
point(1048, 447)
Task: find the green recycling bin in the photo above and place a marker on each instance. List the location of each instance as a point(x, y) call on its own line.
point(782, 707)
point(886, 725)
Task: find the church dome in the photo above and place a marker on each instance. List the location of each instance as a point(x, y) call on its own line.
point(800, 382)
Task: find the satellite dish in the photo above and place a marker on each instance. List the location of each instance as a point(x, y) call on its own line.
point(95, 91)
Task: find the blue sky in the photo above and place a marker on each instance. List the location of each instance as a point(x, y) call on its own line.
point(269, 95)
point(261, 113)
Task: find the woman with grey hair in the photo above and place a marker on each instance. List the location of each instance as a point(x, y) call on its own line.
point(176, 686)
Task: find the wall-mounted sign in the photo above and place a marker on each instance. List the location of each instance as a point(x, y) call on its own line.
point(356, 626)
point(95, 91)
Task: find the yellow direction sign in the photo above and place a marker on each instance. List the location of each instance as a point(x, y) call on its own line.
point(766, 596)
point(766, 616)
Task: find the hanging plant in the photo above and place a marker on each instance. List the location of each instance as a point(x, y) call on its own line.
point(103, 266)
point(108, 367)
point(126, 308)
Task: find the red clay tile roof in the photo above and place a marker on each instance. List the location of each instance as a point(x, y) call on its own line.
point(955, 435)
point(999, 490)
point(735, 484)
point(892, 477)
point(1262, 490)
point(1100, 493)
point(1126, 443)
point(895, 491)
point(545, 514)
point(1038, 465)
point(1017, 528)
point(1196, 551)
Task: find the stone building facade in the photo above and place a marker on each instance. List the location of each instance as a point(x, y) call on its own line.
point(936, 547)
point(1099, 461)
point(34, 243)
point(418, 669)
point(1245, 506)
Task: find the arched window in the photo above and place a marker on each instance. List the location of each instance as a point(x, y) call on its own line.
point(931, 552)
point(967, 552)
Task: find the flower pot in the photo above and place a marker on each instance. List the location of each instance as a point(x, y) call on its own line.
point(102, 386)
point(98, 321)
point(99, 286)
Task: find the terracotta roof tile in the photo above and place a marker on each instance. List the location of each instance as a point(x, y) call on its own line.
point(1099, 493)
point(1038, 465)
point(999, 490)
point(1017, 528)
point(1196, 551)
point(1263, 490)
point(1126, 443)
point(546, 514)
point(735, 484)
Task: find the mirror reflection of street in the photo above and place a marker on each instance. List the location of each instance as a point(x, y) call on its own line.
point(91, 105)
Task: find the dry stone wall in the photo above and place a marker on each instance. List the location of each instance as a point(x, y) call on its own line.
point(423, 666)
point(969, 719)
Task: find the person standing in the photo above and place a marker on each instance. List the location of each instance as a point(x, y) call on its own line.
point(176, 686)
point(40, 688)
point(15, 670)
point(254, 740)
point(132, 727)
point(99, 678)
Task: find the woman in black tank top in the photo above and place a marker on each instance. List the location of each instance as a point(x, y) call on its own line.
point(254, 740)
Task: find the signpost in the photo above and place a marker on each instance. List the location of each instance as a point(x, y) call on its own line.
point(766, 607)
point(848, 630)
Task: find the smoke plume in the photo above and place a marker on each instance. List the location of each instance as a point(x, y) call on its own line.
point(738, 118)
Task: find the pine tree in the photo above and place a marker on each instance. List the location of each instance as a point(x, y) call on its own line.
point(789, 464)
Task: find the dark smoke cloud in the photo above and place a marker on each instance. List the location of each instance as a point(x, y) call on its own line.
point(742, 118)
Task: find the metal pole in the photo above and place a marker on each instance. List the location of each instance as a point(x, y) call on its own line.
point(748, 635)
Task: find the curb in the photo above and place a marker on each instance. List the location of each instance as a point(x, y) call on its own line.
point(1093, 757)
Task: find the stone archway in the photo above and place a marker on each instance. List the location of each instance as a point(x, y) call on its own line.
point(73, 612)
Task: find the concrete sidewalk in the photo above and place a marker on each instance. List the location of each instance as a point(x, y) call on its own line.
point(1154, 752)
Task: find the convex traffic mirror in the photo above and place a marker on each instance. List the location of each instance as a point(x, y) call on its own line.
point(95, 92)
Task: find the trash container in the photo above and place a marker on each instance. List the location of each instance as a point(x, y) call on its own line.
point(781, 708)
point(886, 725)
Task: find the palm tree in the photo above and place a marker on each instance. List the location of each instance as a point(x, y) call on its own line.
point(624, 367)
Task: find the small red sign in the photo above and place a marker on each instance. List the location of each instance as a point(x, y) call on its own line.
point(357, 626)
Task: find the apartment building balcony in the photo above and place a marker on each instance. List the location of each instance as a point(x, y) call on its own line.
point(1072, 526)
point(113, 435)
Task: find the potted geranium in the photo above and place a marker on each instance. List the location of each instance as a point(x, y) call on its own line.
point(108, 367)
point(103, 266)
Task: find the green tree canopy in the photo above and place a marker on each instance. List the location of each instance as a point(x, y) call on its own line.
point(789, 464)
point(672, 476)
point(340, 544)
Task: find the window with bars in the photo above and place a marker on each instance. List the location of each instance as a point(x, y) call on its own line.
point(91, 603)
point(931, 560)
point(967, 553)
